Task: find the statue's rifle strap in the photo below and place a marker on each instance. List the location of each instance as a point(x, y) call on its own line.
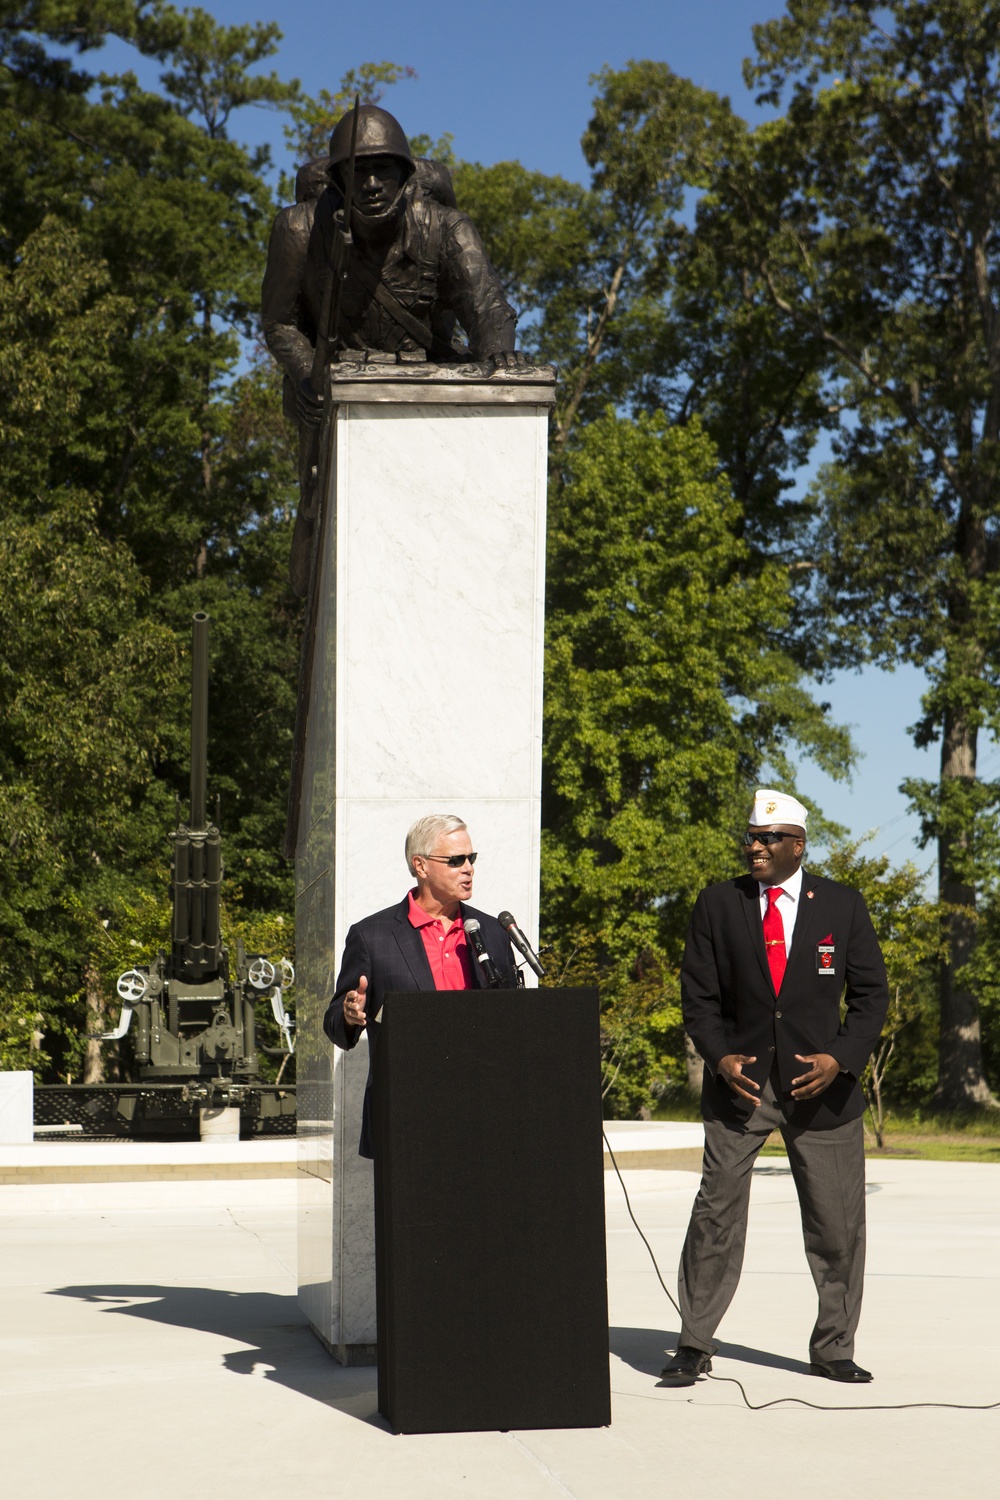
point(408, 321)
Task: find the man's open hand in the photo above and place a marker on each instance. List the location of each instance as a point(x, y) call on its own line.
point(731, 1068)
point(823, 1069)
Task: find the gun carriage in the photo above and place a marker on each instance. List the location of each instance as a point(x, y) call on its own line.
point(188, 1018)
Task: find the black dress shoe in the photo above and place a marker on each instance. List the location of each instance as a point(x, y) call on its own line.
point(686, 1365)
point(840, 1369)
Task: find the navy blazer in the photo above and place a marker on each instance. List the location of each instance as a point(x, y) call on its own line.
point(729, 1003)
point(389, 950)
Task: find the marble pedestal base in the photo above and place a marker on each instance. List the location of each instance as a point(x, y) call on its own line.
point(425, 696)
point(17, 1108)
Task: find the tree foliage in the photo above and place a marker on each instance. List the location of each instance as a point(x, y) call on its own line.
point(909, 931)
point(143, 475)
point(667, 695)
point(874, 201)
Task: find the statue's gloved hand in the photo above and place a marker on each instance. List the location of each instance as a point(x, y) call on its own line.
point(509, 359)
point(308, 406)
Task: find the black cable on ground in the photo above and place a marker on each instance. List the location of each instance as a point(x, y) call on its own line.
point(635, 1221)
point(779, 1400)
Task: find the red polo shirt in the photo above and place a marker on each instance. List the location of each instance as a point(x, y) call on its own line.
point(446, 948)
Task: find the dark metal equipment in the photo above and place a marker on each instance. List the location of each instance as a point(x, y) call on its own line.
point(188, 1018)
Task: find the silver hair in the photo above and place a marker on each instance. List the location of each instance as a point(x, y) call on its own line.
point(425, 833)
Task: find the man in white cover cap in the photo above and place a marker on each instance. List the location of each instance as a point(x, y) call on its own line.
point(767, 960)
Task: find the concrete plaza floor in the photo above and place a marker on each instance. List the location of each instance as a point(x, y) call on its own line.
point(152, 1344)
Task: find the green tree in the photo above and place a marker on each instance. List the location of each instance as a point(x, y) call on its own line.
point(587, 267)
point(645, 288)
point(142, 476)
point(874, 202)
point(721, 349)
point(83, 668)
point(650, 141)
point(909, 931)
point(666, 697)
point(538, 231)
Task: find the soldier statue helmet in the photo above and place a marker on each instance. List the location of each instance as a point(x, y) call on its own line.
point(379, 134)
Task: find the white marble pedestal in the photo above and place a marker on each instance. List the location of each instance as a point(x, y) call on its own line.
point(17, 1108)
point(425, 696)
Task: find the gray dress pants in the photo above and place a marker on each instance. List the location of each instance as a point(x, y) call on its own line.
point(828, 1168)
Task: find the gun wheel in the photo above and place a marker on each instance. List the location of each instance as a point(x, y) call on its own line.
point(132, 986)
point(261, 974)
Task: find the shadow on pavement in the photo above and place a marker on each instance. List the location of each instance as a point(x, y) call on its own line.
point(279, 1341)
point(648, 1349)
point(645, 1349)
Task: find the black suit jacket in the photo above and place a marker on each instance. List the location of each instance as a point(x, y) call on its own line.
point(390, 952)
point(729, 1002)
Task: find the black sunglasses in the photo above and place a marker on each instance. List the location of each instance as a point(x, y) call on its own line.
point(453, 861)
point(766, 838)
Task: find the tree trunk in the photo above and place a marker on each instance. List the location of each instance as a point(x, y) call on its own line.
point(564, 421)
point(93, 1058)
point(961, 1082)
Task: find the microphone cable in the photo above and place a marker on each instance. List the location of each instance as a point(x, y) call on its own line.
point(779, 1400)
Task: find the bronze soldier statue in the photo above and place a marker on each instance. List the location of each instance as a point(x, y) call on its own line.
point(413, 268)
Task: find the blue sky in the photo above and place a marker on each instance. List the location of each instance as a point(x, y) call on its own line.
point(511, 80)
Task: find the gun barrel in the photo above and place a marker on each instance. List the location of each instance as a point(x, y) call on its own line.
point(199, 718)
point(182, 887)
point(197, 864)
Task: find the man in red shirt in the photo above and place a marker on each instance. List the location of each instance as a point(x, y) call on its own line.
point(419, 944)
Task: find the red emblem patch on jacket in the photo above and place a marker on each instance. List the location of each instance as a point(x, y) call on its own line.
point(826, 955)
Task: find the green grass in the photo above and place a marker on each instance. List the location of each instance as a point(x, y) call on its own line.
point(914, 1135)
point(678, 1107)
point(923, 1136)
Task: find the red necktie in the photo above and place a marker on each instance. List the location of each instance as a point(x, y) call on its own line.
point(774, 937)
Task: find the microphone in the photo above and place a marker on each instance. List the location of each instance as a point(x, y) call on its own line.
point(486, 963)
point(520, 942)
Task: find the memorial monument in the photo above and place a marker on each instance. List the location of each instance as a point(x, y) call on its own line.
point(419, 547)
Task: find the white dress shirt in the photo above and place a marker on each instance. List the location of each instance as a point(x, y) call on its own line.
point(788, 904)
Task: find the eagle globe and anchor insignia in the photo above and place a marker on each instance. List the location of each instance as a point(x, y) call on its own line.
point(826, 955)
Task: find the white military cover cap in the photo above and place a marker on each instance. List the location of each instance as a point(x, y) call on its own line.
point(776, 807)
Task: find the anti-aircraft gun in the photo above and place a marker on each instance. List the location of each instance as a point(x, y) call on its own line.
point(189, 1016)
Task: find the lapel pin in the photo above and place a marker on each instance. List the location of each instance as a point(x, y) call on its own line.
point(810, 895)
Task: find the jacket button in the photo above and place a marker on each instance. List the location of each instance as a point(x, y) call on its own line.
point(777, 1015)
point(770, 1049)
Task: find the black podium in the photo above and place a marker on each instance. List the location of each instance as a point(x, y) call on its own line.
point(489, 1212)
